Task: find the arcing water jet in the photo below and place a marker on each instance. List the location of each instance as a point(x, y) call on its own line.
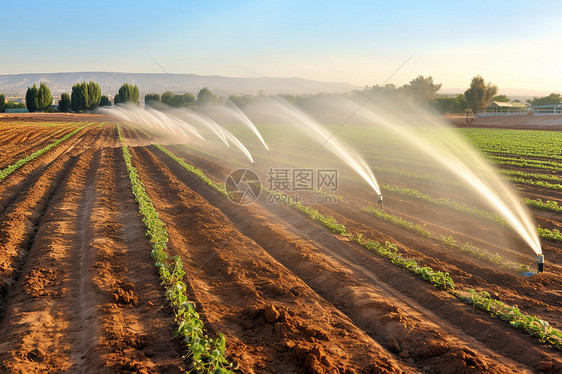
point(234, 110)
point(151, 120)
point(445, 146)
point(322, 135)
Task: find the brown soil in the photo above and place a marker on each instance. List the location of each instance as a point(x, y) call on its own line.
point(54, 117)
point(79, 291)
point(529, 122)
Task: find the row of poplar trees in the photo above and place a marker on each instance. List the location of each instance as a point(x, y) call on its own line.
point(84, 97)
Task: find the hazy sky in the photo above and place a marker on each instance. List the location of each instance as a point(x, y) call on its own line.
point(512, 44)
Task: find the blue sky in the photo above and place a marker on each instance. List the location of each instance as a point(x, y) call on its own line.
point(512, 44)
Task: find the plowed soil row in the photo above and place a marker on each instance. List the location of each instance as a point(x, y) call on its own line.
point(19, 141)
point(80, 293)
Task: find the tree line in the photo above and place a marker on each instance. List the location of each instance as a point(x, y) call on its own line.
point(84, 97)
point(422, 90)
point(87, 97)
point(187, 100)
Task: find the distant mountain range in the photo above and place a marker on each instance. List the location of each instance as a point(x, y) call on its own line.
point(160, 82)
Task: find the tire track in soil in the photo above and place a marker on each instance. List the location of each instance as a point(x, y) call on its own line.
point(442, 308)
point(272, 321)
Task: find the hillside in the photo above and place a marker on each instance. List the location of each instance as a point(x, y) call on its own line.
point(160, 82)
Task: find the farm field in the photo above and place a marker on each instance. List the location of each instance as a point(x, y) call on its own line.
point(321, 288)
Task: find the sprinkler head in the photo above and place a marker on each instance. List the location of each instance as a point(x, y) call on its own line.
point(540, 263)
point(380, 201)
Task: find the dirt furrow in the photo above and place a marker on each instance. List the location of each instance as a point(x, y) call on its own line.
point(137, 325)
point(272, 320)
point(22, 179)
point(44, 315)
point(20, 220)
point(11, 150)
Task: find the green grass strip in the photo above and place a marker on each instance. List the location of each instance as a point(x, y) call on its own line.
point(206, 354)
point(22, 161)
point(441, 280)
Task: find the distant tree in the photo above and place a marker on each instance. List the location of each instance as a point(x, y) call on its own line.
point(501, 98)
point(151, 98)
point(2, 103)
point(206, 97)
point(241, 101)
point(13, 105)
point(479, 95)
point(64, 103)
point(94, 96)
point(128, 93)
point(185, 100)
point(422, 89)
point(167, 97)
point(551, 99)
point(388, 90)
point(104, 101)
point(79, 97)
point(450, 105)
point(31, 98)
point(171, 99)
point(116, 99)
point(44, 97)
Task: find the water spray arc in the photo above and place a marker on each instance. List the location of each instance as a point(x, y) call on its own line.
point(233, 109)
point(447, 148)
point(319, 133)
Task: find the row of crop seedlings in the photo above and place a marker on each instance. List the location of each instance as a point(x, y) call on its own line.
point(206, 354)
point(22, 161)
point(447, 241)
point(552, 206)
point(538, 203)
point(532, 325)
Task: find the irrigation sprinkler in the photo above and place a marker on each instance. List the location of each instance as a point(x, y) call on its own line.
point(540, 263)
point(380, 201)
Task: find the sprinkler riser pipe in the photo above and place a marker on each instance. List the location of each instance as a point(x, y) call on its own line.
point(540, 263)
